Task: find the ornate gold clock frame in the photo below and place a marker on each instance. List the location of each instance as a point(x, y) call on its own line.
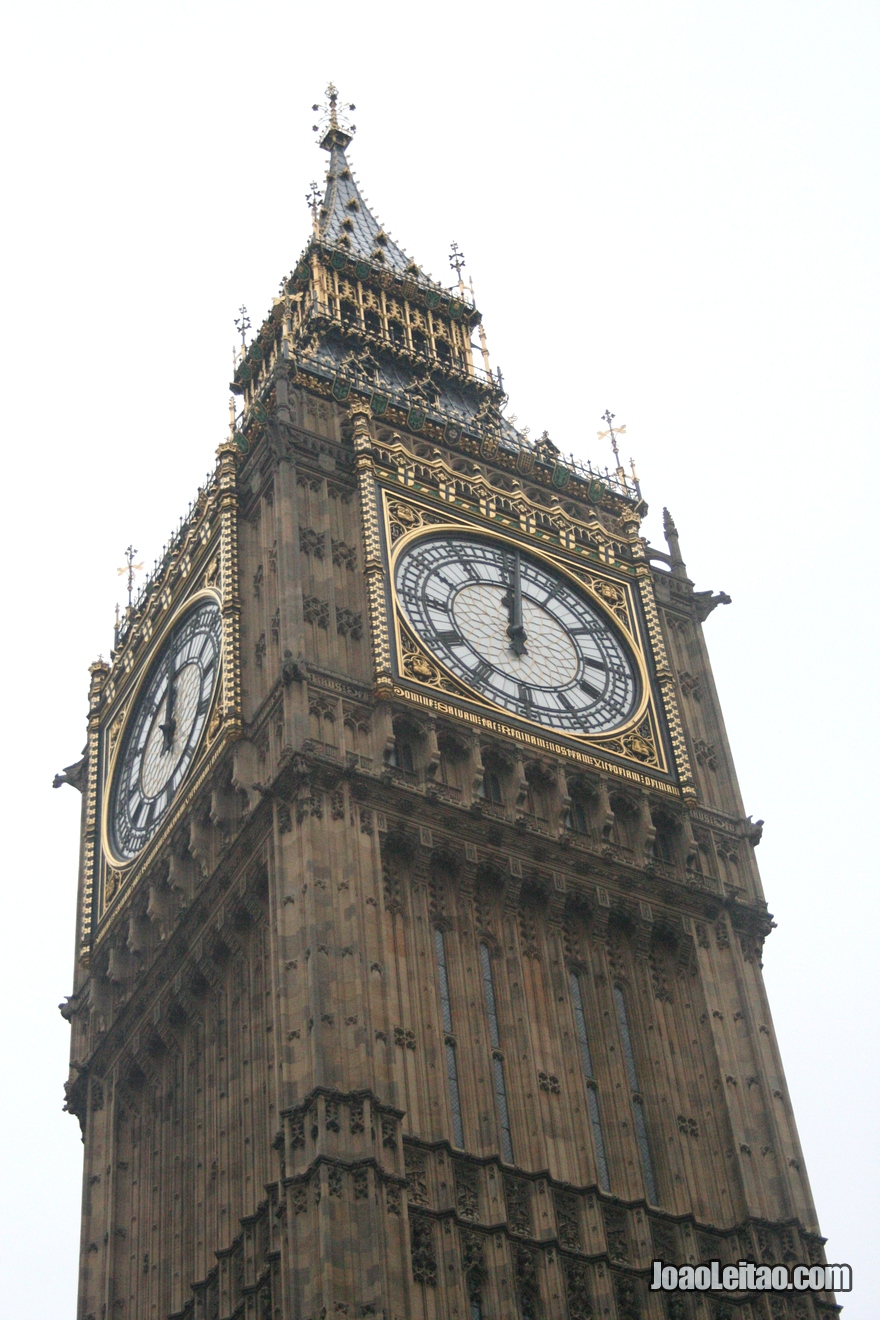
point(414, 494)
point(203, 564)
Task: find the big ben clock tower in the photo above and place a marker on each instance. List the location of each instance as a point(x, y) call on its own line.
point(419, 930)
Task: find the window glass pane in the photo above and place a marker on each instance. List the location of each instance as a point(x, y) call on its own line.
point(503, 1115)
point(645, 1151)
point(592, 1092)
point(454, 1097)
point(440, 946)
point(598, 1139)
point(581, 1024)
point(451, 1061)
point(486, 965)
point(629, 1057)
point(641, 1128)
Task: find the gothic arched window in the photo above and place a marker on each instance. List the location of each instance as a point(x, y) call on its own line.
point(638, 1103)
point(577, 817)
point(497, 1056)
point(580, 1019)
point(449, 1039)
point(665, 846)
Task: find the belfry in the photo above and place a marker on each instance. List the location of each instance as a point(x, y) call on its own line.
point(419, 927)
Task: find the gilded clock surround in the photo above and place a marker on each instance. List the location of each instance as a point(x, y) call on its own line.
point(203, 563)
point(119, 724)
point(635, 740)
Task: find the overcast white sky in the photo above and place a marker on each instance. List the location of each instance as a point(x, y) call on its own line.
point(669, 210)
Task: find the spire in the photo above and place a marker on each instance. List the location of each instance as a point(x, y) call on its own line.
point(344, 219)
point(356, 319)
point(670, 534)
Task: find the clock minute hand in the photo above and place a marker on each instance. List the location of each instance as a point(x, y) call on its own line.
point(170, 724)
point(513, 600)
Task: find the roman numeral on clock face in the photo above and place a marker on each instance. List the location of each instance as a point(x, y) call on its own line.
point(482, 672)
point(450, 637)
point(590, 689)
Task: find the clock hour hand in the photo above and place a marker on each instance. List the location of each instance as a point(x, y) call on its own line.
point(513, 600)
point(170, 723)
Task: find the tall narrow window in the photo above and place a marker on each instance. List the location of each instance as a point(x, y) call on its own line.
point(637, 1101)
point(497, 1056)
point(449, 1039)
point(577, 817)
point(580, 1019)
point(491, 788)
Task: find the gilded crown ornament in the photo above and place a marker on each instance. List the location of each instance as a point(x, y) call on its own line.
point(333, 124)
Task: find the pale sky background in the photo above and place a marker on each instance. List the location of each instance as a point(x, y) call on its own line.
point(668, 209)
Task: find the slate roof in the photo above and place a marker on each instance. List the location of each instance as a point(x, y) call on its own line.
point(345, 217)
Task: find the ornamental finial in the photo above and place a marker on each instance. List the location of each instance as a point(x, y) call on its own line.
point(243, 323)
point(614, 431)
point(129, 569)
point(333, 124)
point(457, 262)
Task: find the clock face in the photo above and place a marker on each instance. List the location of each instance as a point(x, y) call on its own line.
point(164, 729)
point(517, 632)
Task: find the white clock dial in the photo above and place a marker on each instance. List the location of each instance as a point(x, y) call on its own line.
point(517, 632)
point(165, 728)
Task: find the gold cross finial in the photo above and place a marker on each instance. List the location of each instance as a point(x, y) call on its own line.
point(332, 94)
point(129, 570)
point(613, 431)
point(333, 123)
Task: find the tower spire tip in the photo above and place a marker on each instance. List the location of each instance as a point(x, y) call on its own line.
point(333, 124)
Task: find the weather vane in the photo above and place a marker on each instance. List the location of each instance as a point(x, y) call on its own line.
point(332, 116)
point(130, 569)
point(242, 323)
point(608, 417)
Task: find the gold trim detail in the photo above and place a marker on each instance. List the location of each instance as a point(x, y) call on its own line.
point(421, 668)
point(638, 740)
point(118, 881)
point(666, 683)
point(215, 723)
point(405, 518)
point(230, 600)
point(472, 495)
point(544, 744)
point(640, 744)
point(128, 866)
point(115, 729)
point(98, 672)
point(374, 570)
point(614, 598)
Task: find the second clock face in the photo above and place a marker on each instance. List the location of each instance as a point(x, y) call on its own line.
point(165, 728)
point(517, 632)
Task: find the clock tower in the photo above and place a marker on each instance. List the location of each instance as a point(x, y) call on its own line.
point(419, 930)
